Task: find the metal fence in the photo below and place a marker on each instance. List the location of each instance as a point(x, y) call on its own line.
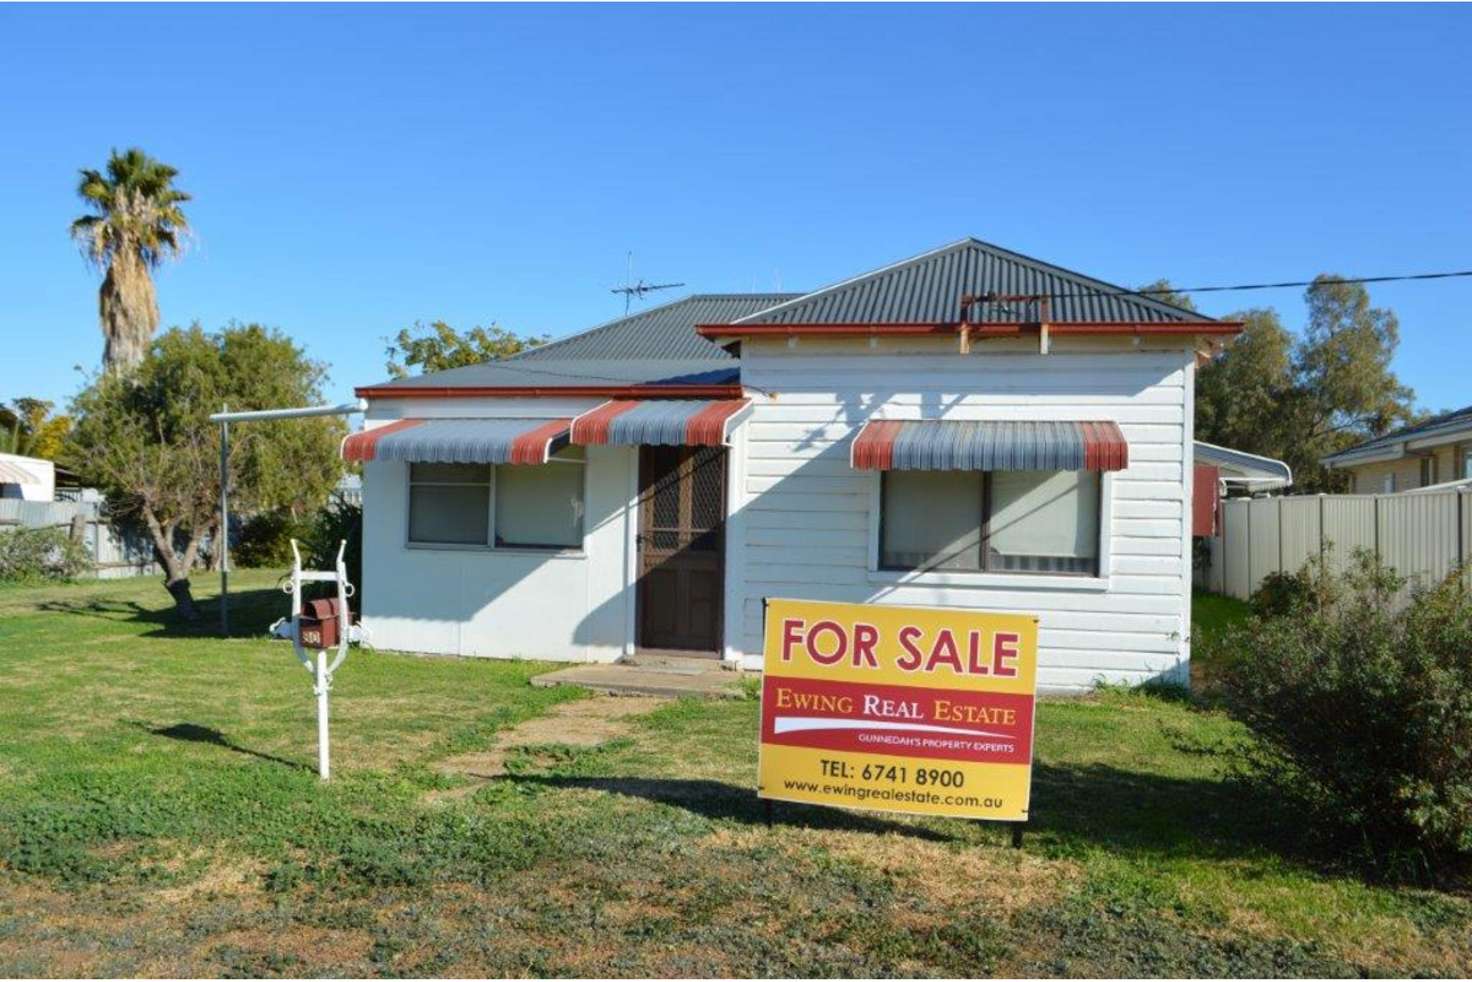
point(116, 550)
point(1422, 536)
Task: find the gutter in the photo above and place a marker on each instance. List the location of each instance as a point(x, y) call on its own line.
point(705, 391)
point(1010, 329)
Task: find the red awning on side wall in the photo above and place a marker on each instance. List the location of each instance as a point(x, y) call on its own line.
point(1205, 490)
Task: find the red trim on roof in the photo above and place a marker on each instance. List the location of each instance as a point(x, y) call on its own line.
point(591, 428)
point(1167, 328)
point(873, 448)
point(1105, 448)
point(358, 447)
point(707, 428)
point(534, 446)
point(702, 391)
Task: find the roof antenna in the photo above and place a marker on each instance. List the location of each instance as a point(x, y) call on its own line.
point(632, 289)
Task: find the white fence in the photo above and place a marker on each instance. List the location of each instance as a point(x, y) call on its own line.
point(115, 551)
point(1422, 536)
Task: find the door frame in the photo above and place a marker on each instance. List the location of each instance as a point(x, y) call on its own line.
point(720, 647)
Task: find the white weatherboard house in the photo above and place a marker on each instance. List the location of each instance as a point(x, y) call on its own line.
point(968, 428)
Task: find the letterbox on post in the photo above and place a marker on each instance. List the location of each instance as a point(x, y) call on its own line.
point(321, 621)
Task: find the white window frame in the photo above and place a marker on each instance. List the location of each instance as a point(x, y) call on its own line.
point(579, 551)
point(1040, 581)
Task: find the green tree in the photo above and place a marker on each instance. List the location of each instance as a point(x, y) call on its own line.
point(1162, 290)
point(134, 225)
point(145, 438)
point(1301, 398)
point(27, 427)
point(439, 346)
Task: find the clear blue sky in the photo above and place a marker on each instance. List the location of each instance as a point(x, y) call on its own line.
point(359, 168)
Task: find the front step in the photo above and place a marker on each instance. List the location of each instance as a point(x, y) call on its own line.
point(707, 681)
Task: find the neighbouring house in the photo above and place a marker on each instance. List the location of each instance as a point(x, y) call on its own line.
point(970, 427)
point(1435, 451)
point(27, 478)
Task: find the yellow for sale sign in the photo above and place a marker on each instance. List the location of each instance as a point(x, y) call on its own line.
point(907, 709)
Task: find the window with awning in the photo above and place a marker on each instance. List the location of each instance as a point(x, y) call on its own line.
point(661, 422)
point(990, 496)
point(460, 441)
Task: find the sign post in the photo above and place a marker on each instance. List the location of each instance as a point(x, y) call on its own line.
point(926, 711)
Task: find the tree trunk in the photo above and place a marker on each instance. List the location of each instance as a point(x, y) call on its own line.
point(127, 306)
point(176, 571)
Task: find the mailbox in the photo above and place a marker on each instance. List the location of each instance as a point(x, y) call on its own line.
point(320, 623)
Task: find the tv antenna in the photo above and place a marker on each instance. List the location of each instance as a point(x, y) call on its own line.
point(638, 288)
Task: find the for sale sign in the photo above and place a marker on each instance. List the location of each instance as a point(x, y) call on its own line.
point(908, 709)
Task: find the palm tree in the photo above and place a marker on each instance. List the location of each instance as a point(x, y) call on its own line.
point(136, 224)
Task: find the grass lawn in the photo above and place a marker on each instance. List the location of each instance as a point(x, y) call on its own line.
point(159, 815)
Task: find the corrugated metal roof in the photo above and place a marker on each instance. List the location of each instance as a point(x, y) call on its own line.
point(575, 372)
point(1248, 464)
point(665, 332)
point(658, 346)
point(928, 289)
point(1456, 419)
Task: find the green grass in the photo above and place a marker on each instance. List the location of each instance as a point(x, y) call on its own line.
point(159, 815)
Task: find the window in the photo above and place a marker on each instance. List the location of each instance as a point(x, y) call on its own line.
point(1428, 471)
point(540, 506)
point(449, 503)
point(1387, 483)
point(1003, 521)
point(1466, 455)
point(536, 506)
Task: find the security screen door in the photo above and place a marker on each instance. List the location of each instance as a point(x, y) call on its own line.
point(682, 513)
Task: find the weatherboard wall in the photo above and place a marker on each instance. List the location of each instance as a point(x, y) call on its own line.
point(808, 521)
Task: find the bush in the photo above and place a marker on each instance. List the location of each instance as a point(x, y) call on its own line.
point(1281, 593)
point(265, 539)
point(336, 521)
point(42, 554)
point(1361, 705)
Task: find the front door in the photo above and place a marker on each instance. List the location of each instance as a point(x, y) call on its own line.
point(682, 515)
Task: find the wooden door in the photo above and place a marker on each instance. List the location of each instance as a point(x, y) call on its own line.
point(682, 517)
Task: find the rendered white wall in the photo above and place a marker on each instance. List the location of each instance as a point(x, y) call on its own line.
point(499, 602)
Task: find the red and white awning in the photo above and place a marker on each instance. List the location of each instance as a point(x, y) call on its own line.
point(460, 441)
point(990, 445)
point(670, 422)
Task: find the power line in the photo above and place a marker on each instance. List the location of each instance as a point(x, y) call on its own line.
point(1167, 291)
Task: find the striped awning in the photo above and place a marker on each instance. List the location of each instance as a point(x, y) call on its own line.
point(673, 422)
point(460, 441)
point(16, 474)
point(990, 445)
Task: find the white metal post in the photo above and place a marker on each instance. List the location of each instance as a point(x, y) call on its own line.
point(323, 680)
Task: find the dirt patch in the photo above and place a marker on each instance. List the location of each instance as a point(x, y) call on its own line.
point(581, 723)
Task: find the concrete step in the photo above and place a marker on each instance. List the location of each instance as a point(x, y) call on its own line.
point(623, 679)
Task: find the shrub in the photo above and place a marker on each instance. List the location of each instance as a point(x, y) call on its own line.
point(42, 554)
point(1280, 593)
point(337, 521)
point(1361, 705)
point(265, 538)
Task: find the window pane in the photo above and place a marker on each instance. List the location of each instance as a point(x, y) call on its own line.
point(539, 505)
point(451, 473)
point(1044, 521)
point(456, 513)
point(932, 520)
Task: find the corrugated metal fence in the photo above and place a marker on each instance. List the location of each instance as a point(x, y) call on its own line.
point(1421, 536)
point(117, 551)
